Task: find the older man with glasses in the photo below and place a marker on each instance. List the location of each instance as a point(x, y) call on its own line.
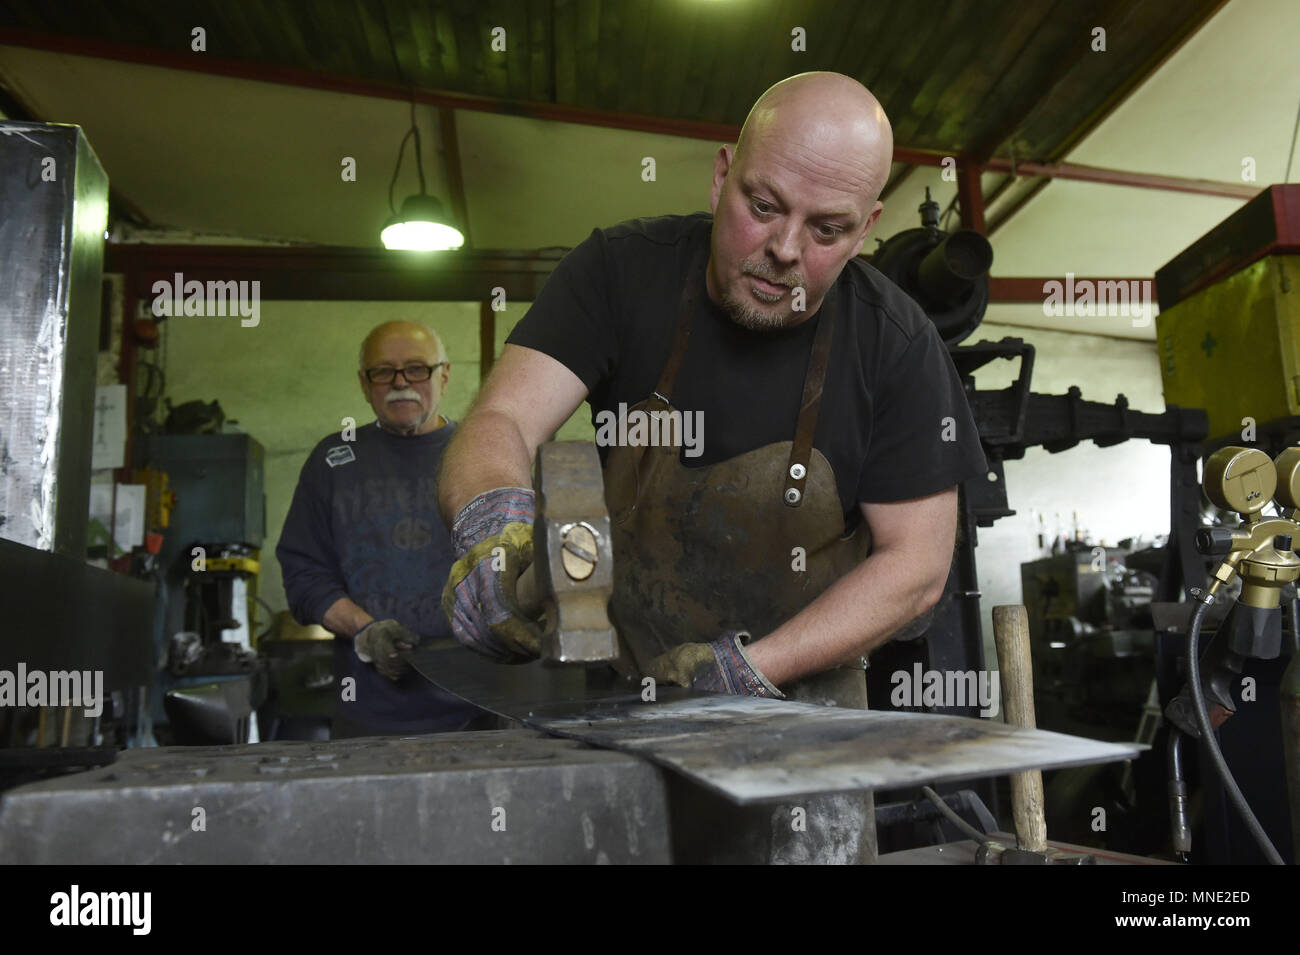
point(364, 551)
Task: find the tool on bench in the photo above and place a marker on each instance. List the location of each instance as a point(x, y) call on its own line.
point(1011, 637)
point(571, 579)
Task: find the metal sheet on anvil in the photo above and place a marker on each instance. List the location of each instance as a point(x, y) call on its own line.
point(754, 750)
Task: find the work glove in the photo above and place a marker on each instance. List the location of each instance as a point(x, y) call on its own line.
point(379, 641)
point(722, 666)
point(493, 540)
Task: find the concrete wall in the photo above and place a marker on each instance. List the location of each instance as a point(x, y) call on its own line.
point(291, 380)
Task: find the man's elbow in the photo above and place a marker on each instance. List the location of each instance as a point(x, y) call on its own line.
point(932, 591)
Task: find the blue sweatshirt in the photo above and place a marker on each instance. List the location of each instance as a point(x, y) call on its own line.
point(364, 524)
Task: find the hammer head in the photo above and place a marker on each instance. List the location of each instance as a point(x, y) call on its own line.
point(992, 853)
point(573, 554)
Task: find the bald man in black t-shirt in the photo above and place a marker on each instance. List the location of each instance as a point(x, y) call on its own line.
point(834, 424)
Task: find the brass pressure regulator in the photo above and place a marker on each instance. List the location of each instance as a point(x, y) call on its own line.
point(1260, 549)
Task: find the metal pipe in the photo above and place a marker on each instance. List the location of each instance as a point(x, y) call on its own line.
point(949, 270)
point(1180, 829)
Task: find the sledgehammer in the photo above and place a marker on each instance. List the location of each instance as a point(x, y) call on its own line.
point(1011, 637)
point(571, 579)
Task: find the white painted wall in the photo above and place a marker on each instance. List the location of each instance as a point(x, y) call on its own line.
point(1120, 491)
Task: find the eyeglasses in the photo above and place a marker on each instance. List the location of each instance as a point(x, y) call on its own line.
point(384, 374)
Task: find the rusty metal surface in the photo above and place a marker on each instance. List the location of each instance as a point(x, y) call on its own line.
point(753, 750)
point(505, 796)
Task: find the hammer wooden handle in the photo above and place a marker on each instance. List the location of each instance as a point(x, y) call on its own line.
point(526, 595)
point(1011, 637)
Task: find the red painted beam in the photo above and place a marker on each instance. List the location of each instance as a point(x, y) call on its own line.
point(970, 197)
point(1118, 177)
point(325, 273)
point(1021, 290)
point(487, 339)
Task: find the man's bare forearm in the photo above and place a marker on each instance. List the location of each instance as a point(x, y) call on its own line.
point(860, 611)
point(345, 618)
point(487, 451)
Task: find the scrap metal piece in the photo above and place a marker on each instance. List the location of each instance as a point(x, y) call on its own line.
point(753, 750)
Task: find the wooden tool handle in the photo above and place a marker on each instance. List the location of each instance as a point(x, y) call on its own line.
point(1011, 637)
point(530, 601)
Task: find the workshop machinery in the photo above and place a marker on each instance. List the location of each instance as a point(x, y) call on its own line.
point(1260, 552)
point(942, 272)
point(947, 276)
point(209, 563)
point(1227, 340)
point(1093, 639)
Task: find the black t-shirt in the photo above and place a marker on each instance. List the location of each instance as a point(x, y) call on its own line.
point(894, 421)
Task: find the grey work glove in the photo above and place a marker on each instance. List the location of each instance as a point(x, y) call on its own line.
point(379, 641)
point(493, 541)
point(722, 666)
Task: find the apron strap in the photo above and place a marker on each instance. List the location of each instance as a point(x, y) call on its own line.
point(796, 472)
point(682, 336)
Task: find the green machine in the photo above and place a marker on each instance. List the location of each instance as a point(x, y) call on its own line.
point(1228, 331)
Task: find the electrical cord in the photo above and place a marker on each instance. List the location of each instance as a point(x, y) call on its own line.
point(950, 814)
point(1204, 599)
point(398, 168)
point(414, 130)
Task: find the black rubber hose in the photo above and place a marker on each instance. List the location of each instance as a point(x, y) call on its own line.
point(1203, 602)
point(1294, 606)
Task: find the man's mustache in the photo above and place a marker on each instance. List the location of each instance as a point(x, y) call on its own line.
point(406, 394)
point(763, 271)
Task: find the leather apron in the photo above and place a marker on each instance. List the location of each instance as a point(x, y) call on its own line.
point(743, 544)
